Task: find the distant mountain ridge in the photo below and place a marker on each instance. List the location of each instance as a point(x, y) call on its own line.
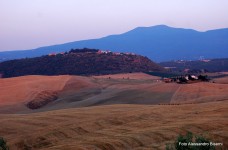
point(159, 43)
point(79, 62)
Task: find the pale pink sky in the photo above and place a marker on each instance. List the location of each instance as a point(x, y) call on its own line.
point(27, 24)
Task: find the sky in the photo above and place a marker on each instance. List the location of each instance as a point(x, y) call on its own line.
point(27, 24)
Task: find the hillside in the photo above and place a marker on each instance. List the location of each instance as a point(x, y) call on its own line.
point(159, 43)
point(79, 62)
point(214, 65)
point(29, 94)
point(115, 126)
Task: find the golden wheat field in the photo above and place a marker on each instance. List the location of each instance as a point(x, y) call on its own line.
point(125, 111)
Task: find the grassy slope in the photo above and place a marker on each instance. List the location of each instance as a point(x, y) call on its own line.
point(115, 126)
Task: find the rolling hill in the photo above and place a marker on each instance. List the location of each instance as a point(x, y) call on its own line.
point(29, 94)
point(159, 43)
point(121, 111)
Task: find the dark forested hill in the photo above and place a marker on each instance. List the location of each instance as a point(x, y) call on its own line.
point(79, 62)
point(159, 43)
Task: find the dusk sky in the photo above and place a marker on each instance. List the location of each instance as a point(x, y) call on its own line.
point(27, 24)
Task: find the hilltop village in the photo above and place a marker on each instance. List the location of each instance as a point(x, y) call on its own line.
point(87, 50)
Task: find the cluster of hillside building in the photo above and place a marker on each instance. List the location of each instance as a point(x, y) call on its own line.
point(54, 54)
point(115, 53)
point(186, 79)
